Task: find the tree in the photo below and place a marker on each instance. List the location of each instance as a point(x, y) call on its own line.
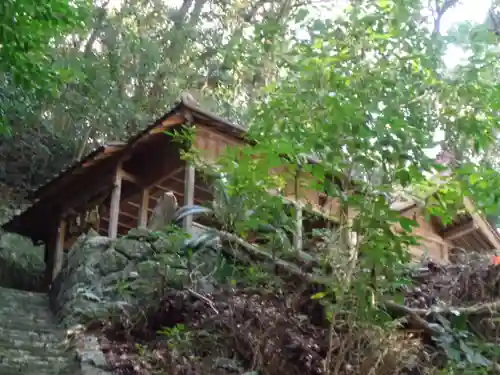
point(364, 95)
point(27, 29)
point(129, 62)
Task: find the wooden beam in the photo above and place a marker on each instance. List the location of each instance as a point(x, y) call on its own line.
point(142, 221)
point(460, 231)
point(485, 227)
point(164, 178)
point(130, 177)
point(445, 252)
point(59, 249)
point(164, 189)
point(483, 243)
point(126, 214)
point(298, 235)
point(189, 183)
point(114, 207)
point(120, 224)
point(133, 204)
point(175, 119)
point(197, 187)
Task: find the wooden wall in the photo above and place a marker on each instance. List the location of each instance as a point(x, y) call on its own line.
point(431, 243)
point(319, 201)
point(211, 143)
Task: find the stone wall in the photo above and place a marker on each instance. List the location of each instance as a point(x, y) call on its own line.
point(101, 275)
point(22, 264)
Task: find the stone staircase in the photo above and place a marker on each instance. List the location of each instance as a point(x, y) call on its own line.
point(30, 340)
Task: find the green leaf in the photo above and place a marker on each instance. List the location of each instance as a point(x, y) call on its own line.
point(190, 211)
point(301, 15)
point(319, 295)
point(407, 224)
point(404, 177)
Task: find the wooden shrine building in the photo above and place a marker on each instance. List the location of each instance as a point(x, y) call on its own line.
point(125, 180)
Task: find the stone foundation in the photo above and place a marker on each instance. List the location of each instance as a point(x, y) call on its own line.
point(100, 275)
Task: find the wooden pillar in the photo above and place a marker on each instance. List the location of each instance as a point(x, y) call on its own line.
point(59, 249)
point(298, 235)
point(142, 221)
point(189, 181)
point(114, 207)
point(445, 253)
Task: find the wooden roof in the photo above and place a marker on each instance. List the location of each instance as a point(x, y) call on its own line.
point(92, 175)
point(469, 229)
point(185, 110)
point(97, 167)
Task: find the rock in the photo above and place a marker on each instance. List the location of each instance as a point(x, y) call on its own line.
point(205, 286)
point(22, 264)
point(98, 241)
point(133, 249)
point(111, 261)
point(111, 279)
point(92, 233)
point(149, 269)
point(81, 310)
point(86, 251)
point(228, 364)
point(89, 352)
point(83, 274)
point(142, 234)
point(171, 243)
point(30, 342)
point(163, 245)
point(102, 276)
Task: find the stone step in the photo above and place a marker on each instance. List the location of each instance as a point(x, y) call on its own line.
point(32, 369)
point(23, 360)
point(20, 356)
point(30, 340)
point(25, 325)
point(21, 332)
point(41, 348)
point(24, 305)
point(26, 312)
point(35, 317)
point(22, 296)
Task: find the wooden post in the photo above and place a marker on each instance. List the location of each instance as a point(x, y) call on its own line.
point(143, 209)
point(298, 235)
point(445, 253)
point(114, 207)
point(189, 181)
point(59, 249)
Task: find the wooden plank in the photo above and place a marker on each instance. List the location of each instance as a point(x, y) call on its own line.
point(165, 189)
point(460, 231)
point(59, 249)
point(130, 177)
point(127, 214)
point(173, 120)
point(483, 225)
point(201, 188)
point(166, 177)
point(189, 184)
point(298, 241)
point(150, 210)
point(142, 221)
point(114, 209)
point(120, 224)
point(482, 243)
